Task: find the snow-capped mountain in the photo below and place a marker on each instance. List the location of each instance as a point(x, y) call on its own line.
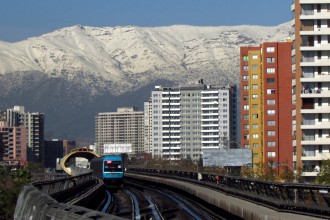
point(78, 65)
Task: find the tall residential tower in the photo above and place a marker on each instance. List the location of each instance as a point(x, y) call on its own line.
point(189, 118)
point(310, 54)
point(126, 126)
point(266, 105)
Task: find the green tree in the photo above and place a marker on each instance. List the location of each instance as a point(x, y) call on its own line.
point(323, 177)
point(11, 182)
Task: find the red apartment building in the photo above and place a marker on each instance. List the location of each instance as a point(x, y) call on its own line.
point(266, 102)
point(14, 140)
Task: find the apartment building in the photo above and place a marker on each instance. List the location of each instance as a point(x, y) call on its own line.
point(189, 118)
point(310, 53)
point(266, 105)
point(126, 126)
point(34, 124)
point(13, 140)
point(148, 127)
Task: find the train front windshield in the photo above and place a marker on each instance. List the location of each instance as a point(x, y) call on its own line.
point(113, 166)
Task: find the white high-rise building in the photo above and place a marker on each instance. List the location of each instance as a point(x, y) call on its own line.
point(311, 88)
point(189, 118)
point(124, 127)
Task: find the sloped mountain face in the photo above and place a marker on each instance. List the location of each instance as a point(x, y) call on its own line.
point(75, 72)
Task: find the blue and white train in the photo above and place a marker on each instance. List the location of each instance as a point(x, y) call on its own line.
point(108, 168)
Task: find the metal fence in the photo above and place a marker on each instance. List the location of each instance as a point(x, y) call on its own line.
point(291, 197)
point(36, 200)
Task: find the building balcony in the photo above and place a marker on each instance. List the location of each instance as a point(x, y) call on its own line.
point(210, 92)
point(210, 125)
point(211, 130)
point(309, 173)
point(315, 93)
point(210, 114)
point(211, 136)
point(315, 109)
point(318, 125)
point(211, 103)
point(316, 47)
point(313, 15)
point(315, 31)
point(211, 142)
point(171, 153)
point(172, 143)
point(311, 61)
point(323, 77)
point(210, 108)
point(317, 141)
point(210, 119)
point(317, 157)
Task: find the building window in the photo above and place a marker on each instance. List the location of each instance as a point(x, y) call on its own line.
point(246, 146)
point(271, 123)
point(254, 66)
point(270, 91)
point(255, 145)
point(255, 126)
point(245, 88)
point(245, 58)
point(245, 68)
point(246, 127)
point(270, 59)
point(246, 117)
point(254, 115)
point(270, 101)
point(270, 49)
point(255, 155)
point(254, 57)
point(255, 135)
point(246, 137)
point(255, 76)
point(254, 105)
point(246, 107)
point(271, 112)
point(271, 133)
point(270, 70)
point(245, 78)
point(271, 154)
point(255, 86)
point(254, 96)
point(270, 80)
point(245, 97)
point(270, 143)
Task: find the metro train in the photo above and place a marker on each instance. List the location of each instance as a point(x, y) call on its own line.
point(109, 168)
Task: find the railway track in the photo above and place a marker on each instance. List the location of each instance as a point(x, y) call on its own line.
point(145, 202)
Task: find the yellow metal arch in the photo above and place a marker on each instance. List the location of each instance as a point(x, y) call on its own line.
point(78, 152)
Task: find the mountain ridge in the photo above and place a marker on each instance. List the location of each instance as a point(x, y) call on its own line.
point(80, 64)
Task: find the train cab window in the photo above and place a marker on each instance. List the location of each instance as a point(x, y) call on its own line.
point(111, 166)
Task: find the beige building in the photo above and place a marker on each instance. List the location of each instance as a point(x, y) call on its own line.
point(126, 126)
point(311, 87)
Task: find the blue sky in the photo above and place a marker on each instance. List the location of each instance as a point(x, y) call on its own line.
point(20, 19)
